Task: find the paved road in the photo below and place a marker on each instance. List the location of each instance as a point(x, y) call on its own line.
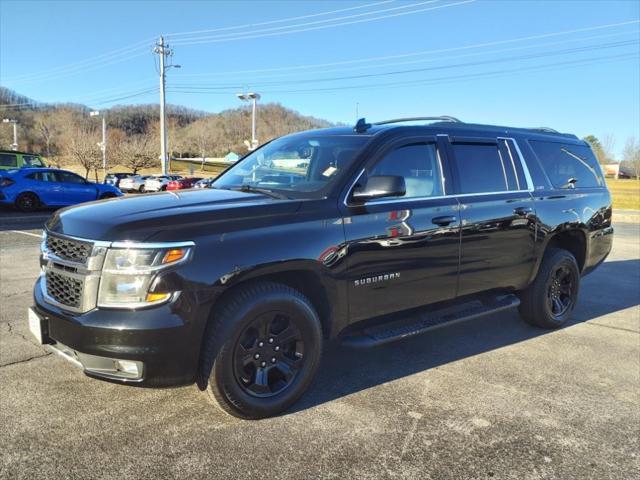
point(493, 398)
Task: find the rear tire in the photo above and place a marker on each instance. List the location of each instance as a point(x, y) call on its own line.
point(27, 202)
point(549, 301)
point(141, 190)
point(261, 350)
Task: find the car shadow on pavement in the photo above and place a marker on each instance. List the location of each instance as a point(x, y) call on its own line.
point(346, 370)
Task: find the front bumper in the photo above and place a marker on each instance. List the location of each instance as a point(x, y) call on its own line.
point(163, 340)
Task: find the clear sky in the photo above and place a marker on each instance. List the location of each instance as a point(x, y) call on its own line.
point(571, 65)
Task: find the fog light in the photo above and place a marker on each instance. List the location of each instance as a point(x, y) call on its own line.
point(128, 367)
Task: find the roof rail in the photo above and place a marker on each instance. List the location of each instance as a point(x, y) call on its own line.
point(442, 118)
point(544, 129)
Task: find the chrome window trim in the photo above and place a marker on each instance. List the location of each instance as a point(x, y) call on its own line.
point(523, 163)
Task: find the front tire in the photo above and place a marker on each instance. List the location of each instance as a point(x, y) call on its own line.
point(549, 301)
point(261, 351)
point(27, 202)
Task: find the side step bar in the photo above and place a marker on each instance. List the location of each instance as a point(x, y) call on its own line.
point(422, 322)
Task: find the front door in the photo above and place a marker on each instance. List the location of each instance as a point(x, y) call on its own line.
point(497, 211)
point(403, 251)
point(76, 188)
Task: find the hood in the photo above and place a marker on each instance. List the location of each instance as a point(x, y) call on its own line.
point(169, 216)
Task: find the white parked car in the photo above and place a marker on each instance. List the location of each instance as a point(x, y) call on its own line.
point(157, 183)
point(134, 183)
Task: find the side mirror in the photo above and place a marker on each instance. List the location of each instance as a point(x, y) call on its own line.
point(380, 186)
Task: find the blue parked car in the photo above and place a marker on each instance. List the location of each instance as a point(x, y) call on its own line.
point(30, 188)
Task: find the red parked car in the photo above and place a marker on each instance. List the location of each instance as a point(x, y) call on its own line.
point(182, 183)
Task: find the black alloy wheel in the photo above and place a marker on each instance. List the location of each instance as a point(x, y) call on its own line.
point(261, 350)
point(549, 300)
point(560, 289)
point(27, 202)
point(268, 355)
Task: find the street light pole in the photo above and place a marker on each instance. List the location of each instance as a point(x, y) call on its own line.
point(254, 97)
point(14, 145)
point(103, 144)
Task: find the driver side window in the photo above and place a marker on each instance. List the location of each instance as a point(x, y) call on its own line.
point(417, 164)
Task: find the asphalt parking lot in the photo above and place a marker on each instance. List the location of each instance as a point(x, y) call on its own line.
point(491, 398)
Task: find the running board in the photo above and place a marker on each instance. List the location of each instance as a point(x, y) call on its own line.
point(425, 321)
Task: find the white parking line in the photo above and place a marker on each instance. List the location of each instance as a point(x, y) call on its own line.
point(26, 233)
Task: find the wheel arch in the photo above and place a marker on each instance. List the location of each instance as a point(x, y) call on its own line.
point(303, 276)
point(23, 192)
point(572, 238)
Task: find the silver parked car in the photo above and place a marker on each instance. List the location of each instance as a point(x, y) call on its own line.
point(157, 183)
point(135, 183)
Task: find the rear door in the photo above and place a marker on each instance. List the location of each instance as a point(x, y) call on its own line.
point(46, 186)
point(403, 251)
point(76, 189)
point(497, 211)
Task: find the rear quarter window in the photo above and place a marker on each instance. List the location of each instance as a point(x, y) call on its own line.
point(568, 165)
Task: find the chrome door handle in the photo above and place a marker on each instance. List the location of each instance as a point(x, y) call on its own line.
point(444, 221)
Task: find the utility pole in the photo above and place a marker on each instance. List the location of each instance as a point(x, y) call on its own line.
point(254, 97)
point(103, 144)
point(14, 145)
point(163, 51)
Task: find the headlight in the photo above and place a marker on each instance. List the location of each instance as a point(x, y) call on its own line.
point(128, 272)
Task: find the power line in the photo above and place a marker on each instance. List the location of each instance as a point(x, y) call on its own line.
point(453, 78)
point(319, 27)
point(316, 22)
point(84, 64)
point(127, 53)
point(441, 67)
point(421, 53)
point(271, 22)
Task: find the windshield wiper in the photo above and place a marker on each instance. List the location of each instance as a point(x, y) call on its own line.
point(251, 189)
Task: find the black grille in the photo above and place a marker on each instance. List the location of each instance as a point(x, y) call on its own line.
point(73, 250)
point(64, 290)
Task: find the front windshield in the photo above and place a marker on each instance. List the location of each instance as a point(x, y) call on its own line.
point(305, 163)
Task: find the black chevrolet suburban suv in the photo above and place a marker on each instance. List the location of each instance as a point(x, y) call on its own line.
point(367, 234)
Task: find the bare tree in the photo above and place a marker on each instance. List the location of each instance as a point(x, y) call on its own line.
point(138, 152)
point(48, 127)
point(608, 147)
point(82, 148)
point(200, 138)
point(631, 156)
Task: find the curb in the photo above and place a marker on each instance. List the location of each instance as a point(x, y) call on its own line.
point(626, 216)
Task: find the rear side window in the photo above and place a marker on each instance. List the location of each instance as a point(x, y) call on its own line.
point(8, 160)
point(480, 168)
point(43, 176)
point(568, 166)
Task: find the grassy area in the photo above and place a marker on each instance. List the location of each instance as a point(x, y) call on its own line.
point(626, 193)
point(177, 167)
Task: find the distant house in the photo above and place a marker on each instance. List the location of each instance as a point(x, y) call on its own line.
point(231, 157)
